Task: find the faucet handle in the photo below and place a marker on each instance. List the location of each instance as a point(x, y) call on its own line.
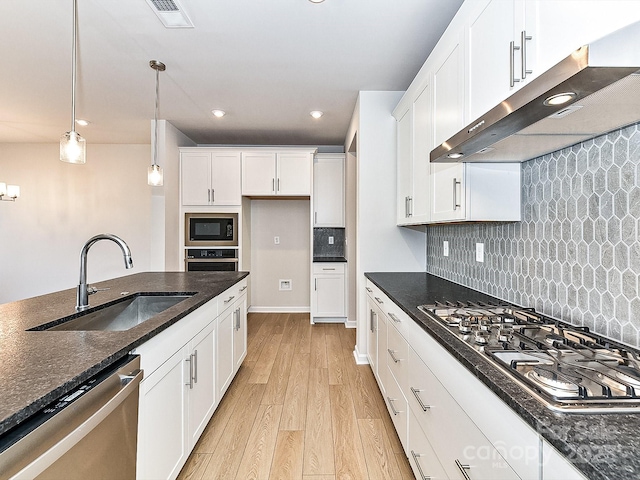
point(91, 290)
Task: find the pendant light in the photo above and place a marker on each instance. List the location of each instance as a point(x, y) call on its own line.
point(72, 145)
point(154, 173)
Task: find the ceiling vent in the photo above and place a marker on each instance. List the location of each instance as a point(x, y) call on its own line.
point(170, 13)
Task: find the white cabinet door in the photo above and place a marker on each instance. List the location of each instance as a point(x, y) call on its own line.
point(423, 460)
point(329, 292)
point(201, 362)
point(225, 178)
point(448, 93)
point(404, 158)
point(258, 173)
point(224, 351)
point(162, 440)
point(421, 166)
point(328, 190)
point(294, 174)
point(372, 336)
point(240, 331)
point(447, 187)
point(196, 174)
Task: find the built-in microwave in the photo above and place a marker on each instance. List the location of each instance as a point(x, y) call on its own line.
point(211, 229)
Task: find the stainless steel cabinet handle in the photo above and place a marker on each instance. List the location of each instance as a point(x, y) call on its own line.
point(238, 320)
point(524, 38)
point(213, 195)
point(378, 300)
point(329, 269)
point(463, 469)
point(315, 218)
point(195, 366)
point(229, 299)
point(209, 195)
point(315, 287)
point(273, 185)
point(278, 185)
point(371, 320)
point(190, 360)
point(393, 408)
point(392, 354)
point(456, 205)
point(394, 317)
point(415, 459)
point(243, 288)
point(406, 207)
point(416, 393)
point(512, 53)
point(410, 206)
point(368, 289)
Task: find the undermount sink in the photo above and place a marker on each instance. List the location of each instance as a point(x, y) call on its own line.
point(127, 313)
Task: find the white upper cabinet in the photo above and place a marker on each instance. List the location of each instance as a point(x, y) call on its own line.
point(276, 173)
point(328, 190)
point(210, 177)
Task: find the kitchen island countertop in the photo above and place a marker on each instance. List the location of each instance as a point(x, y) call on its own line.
point(37, 367)
point(601, 446)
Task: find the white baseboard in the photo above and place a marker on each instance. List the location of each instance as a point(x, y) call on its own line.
point(350, 324)
point(360, 358)
point(328, 320)
point(257, 309)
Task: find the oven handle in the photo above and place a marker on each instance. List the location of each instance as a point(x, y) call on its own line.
point(129, 384)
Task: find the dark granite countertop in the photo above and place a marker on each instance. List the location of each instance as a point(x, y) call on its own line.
point(329, 259)
point(37, 367)
point(602, 446)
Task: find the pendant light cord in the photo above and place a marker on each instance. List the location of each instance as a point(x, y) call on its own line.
point(73, 65)
point(155, 118)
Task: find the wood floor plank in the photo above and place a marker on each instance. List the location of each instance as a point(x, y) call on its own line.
point(279, 378)
point(195, 467)
point(318, 357)
point(279, 323)
point(403, 465)
point(366, 395)
point(335, 360)
point(265, 361)
point(295, 400)
point(255, 345)
point(213, 432)
point(304, 343)
point(318, 477)
point(226, 458)
point(287, 460)
point(290, 333)
point(258, 454)
point(347, 445)
point(318, 440)
point(380, 458)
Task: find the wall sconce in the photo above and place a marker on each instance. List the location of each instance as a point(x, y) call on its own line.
point(11, 191)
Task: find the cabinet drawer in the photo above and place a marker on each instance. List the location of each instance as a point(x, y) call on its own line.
point(230, 295)
point(397, 356)
point(423, 460)
point(327, 267)
point(456, 440)
point(398, 408)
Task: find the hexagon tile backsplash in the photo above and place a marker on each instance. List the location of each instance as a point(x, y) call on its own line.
point(576, 253)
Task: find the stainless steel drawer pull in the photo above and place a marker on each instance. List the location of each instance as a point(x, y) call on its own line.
point(190, 360)
point(524, 38)
point(328, 269)
point(416, 393)
point(392, 354)
point(393, 408)
point(243, 288)
point(394, 317)
point(378, 300)
point(229, 299)
point(368, 289)
point(463, 469)
point(415, 459)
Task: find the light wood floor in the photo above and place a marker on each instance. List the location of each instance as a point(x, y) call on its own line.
point(299, 408)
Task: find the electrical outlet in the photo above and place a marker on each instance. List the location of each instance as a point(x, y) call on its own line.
point(285, 285)
point(479, 252)
point(276, 240)
point(330, 240)
point(445, 248)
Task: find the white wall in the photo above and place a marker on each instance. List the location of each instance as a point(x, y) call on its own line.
point(290, 260)
point(63, 205)
point(382, 246)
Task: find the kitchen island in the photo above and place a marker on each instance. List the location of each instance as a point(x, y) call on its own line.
point(37, 367)
point(601, 446)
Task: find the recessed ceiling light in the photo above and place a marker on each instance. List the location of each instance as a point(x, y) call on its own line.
point(455, 155)
point(316, 113)
point(316, 1)
point(559, 99)
point(219, 113)
point(82, 123)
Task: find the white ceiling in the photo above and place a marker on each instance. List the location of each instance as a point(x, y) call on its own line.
point(268, 63)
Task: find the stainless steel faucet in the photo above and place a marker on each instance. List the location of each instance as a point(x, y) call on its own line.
point(83, 289)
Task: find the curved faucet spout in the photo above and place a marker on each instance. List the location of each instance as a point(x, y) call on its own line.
point(83, 292)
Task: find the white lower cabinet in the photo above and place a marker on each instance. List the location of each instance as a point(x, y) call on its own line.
point(328, 295)
point(187, 369)
point(423, 460)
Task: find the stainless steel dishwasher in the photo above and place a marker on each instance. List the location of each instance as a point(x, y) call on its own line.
point(91, 432)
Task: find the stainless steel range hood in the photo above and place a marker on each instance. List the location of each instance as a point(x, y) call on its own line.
point(605, 78)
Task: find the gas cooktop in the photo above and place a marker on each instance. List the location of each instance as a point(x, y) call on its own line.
point(567, 367)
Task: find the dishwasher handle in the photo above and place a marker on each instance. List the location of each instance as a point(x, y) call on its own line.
point(128, 383)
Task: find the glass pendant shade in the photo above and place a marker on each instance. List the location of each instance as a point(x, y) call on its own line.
point(73, 148)
point(154, 175)
point(13, 191)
